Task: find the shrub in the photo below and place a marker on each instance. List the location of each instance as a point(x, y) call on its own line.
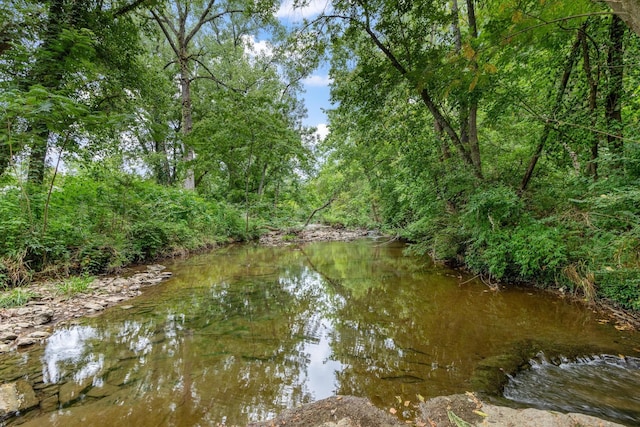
point(100, 220)
point(621, 286)
point(96, 258)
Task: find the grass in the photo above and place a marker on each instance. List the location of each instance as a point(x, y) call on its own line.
point(74, 285)
point(15, 297)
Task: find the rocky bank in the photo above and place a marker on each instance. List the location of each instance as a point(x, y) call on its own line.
point(34, 322)
point(460, 410)
point(24, 326)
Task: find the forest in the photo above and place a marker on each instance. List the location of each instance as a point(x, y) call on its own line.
point(502, 136)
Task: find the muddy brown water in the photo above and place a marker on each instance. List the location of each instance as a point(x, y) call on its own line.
point(245, 332)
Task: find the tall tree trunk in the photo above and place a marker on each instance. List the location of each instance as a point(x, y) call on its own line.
point(455, 25)
point(566, 74)
point(187, 120)
point(38, 155)
point(472, 127)
point(448, 129)
point(613, 106)
point(468, 110)
point(446, 153)
point(263, 177)
point(46, 72)
point(592, 165)
point(474, 146)
point(629, 11)
point(5, 157)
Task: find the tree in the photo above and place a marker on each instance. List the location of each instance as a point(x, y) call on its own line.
point(80, 50)
point(182, 22)
point(249, 140)
point(418, 45)
point(628, 11)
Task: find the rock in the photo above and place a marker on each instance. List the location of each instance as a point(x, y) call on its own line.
point(5, 348)
point(103, 391)
point(43, 317)
point(9, 402)
point(27, 396)
point(26, 341)
point(23, 311)
point(94, 306)
point(467, 407)
point(17, 396)
point(50, 403)
point(31, 338)
point(155, 268)
point(8, 335)
point(444, 411)
point(345, 422)
point(39, 334)
point(72, 391)
point(337, 411)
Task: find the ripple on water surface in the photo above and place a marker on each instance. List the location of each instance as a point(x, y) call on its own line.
point(245, 332)
point(603, 385)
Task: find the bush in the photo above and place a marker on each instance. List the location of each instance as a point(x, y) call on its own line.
point(506, 242)
point(100, 220)
point(148, 239)
point(621, 286)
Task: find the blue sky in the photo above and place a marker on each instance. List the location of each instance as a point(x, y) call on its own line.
point(316, 95)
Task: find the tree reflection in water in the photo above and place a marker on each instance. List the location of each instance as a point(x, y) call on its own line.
point(245, 332)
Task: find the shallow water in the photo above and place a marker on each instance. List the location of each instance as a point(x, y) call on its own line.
point(242, 333)
point(603, 385)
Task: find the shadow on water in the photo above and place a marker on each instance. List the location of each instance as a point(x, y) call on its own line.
point(245, 332)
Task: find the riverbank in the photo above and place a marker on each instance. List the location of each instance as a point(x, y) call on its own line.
point(410, 409)
point(314, 233)
point(34, 322)
point(24, 326)
point(461, 410)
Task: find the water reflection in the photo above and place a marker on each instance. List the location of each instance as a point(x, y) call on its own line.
point(66, 351)
point(246, 332)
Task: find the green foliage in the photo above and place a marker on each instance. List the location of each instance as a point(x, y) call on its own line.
point(74, 285)
point(15, 297)
point(102, 220)
point(506, 242)
point(621, 286)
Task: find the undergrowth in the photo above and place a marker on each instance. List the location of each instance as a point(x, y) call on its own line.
point(96, 222)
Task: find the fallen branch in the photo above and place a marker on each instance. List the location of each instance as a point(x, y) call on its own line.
point(320, 208)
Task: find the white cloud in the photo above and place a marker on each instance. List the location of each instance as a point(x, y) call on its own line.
point(322, 130)
point(312, 8)
point(254, 48)
point(316, 80)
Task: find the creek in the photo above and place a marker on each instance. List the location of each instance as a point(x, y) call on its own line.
point(244, 332)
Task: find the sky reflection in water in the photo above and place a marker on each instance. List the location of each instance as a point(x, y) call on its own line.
point(245, 332)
